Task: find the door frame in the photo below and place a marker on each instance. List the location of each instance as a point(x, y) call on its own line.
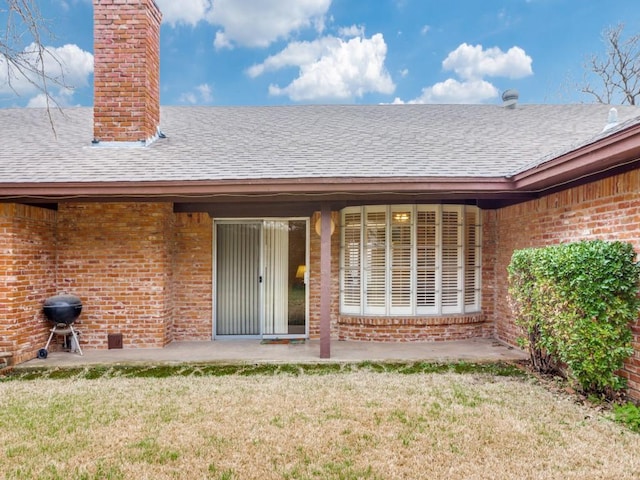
point(261, 221)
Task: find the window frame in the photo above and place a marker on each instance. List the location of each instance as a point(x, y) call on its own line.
point(361, 260)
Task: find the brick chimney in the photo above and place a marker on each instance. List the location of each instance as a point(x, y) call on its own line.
point(126, 74)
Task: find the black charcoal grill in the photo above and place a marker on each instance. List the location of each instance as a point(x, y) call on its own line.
point(62, 311)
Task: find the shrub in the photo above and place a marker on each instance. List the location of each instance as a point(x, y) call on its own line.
point(628, 414)
point(576, 303)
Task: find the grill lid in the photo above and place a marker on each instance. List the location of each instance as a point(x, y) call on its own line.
point(62, 308)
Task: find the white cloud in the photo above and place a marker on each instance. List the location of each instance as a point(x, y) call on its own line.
point(248, 23)
point(205, 92)
point(453, 91)
point(221, 41)
point(352, 31)
point(258, 23)
point(331, 69)
point(188, 12)
point(76, 64)
point(62, 99)
point(69, 67)
point(296, 54)
point(201, 94)
point(472, 62)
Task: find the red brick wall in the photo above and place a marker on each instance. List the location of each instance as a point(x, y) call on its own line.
point(193, 283)
point(118, 258)
point(27, 277)
point(127, 70)
point(145, 272)
point(608, 209)
point(414, 329)
point(489, 267)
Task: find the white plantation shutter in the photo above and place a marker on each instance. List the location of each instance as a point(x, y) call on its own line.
point(451, 259)
point(350, 283)
point(427, 246)
point(375, 260)
point(401, 247)
point(410, 260)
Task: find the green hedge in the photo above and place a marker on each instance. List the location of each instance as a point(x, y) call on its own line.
point(576, 303)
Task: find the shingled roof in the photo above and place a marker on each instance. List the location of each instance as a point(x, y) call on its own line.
point(302, 144)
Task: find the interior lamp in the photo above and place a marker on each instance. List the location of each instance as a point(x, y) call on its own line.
point(302, 269)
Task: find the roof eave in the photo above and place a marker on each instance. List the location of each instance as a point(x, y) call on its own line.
point(582, 164)
point(254, 188)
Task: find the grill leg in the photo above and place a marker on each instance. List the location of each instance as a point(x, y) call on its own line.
point(75, 338)
point(53, 332)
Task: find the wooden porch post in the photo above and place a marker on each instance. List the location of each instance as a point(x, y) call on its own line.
point(325, 281)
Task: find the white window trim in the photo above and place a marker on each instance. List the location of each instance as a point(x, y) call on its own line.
point(461, 257)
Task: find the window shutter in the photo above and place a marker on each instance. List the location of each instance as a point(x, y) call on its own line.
point(351, 261)
point(411, 259)
point(426, 261)
point(451, 260)
point(375, 261)
point(400, 255)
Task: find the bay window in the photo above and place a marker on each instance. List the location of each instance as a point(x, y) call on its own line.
point(410, 260)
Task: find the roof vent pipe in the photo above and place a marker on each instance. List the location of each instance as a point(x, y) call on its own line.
point(612, 120)
point(510, 98)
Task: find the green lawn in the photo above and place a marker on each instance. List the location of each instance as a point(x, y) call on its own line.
point(294, 422)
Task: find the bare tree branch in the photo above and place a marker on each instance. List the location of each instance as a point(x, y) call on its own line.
point(23, 53)
point(615, 77)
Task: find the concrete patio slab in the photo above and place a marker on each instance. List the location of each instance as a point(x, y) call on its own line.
point(253, 351)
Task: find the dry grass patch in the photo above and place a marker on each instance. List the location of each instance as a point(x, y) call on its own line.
point(359, 425)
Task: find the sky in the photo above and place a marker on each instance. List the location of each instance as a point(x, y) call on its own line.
point(282, 52)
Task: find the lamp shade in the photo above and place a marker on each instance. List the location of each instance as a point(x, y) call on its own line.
point(301, 271)
point(318, 226)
